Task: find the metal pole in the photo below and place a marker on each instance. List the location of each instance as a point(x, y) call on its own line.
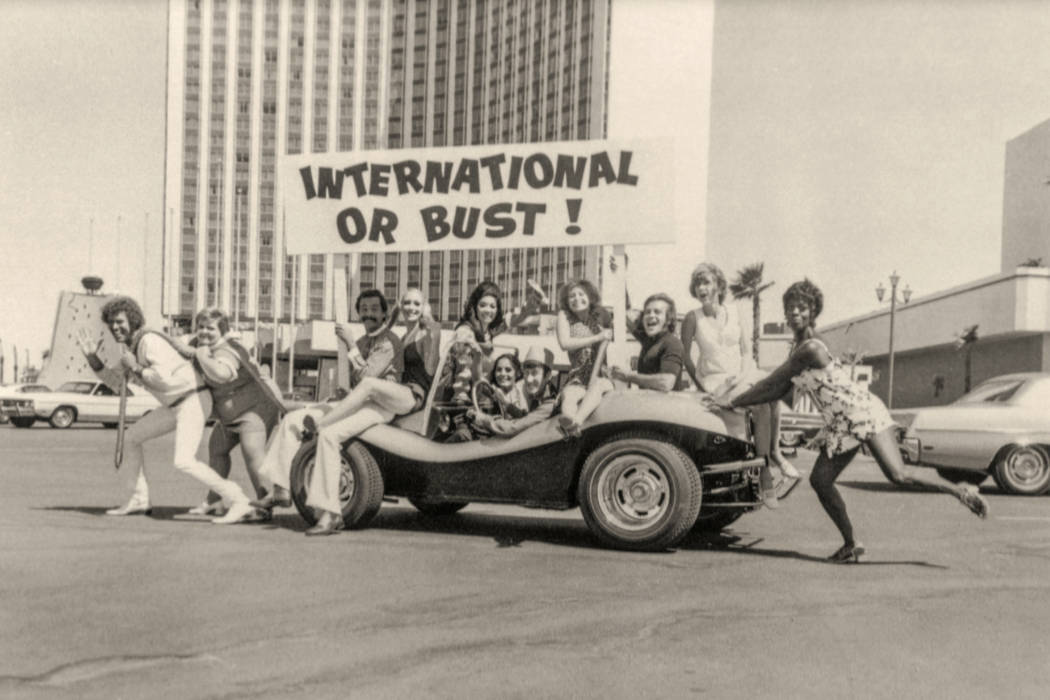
point(292, 328)
point(236, 257)
point(893, 313)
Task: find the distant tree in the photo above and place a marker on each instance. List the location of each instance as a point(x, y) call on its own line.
point(1032, 262)
point(853, 358)
point(748, 285)
point(965, 341)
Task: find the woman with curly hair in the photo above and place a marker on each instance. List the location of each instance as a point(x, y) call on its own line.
point(725, 366)
point(853, 417)
point(151, 358)
point(583, 325)
point(507, 378)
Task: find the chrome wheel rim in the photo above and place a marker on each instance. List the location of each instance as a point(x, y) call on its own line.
point(1026, 467)
point(347, 485)
point(634, 492)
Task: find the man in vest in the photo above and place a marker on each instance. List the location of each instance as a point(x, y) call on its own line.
point(148, 357)
point(375, 354)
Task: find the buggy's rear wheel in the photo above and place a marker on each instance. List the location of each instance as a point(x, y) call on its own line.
point(639, 492)
point(360, 484)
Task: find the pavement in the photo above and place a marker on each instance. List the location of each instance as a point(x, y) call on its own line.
point(505, 602)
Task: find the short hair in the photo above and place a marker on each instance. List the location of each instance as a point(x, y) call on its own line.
point(487, 288)
point(515, 363)
point(214, 314)
point(368, 294)
point(127, 306)
point(595, 312)
point(672, 313)
point(808, 293)
point(715, 273)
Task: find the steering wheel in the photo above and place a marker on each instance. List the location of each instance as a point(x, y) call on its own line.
point(483, 392)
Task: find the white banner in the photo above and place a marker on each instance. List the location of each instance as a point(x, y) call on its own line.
point(498, 196)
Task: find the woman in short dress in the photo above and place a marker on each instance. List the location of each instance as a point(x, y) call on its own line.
point(853, 416)
point(725, 366)
point(583, 325)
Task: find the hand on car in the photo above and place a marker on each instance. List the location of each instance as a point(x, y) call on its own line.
point(482, 420)
point(619, 374)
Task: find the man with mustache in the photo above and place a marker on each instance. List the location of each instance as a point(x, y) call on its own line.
point(536, 387)
point(376, 354)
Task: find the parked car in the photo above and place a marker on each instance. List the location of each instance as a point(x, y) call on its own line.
point(1001, 428)
point(798, 427)
point(78, 402)
point(10, 393)
point(649, 467)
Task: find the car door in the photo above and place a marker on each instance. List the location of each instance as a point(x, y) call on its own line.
point(104, 404)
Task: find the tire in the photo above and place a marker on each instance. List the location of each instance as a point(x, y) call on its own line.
point(360, 484)
point(639, 492)
point(63, 417)
point(718, 520)
point(437, 510)
point(962, 476)
point(1023, 470)
point(23, 421)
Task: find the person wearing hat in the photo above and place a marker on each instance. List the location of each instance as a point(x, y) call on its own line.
point(535, 385)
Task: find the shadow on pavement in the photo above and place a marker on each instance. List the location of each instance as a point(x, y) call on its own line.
point(729, 541)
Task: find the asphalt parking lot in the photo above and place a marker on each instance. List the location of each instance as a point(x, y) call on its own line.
point(505, 602)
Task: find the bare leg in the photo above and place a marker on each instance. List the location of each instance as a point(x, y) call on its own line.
point(220, 444)
point(571, 398)
point(253, 448)
point(591, 399)
point(786, 467)
point(886, 453)
point(394, 397)
point(825, 472)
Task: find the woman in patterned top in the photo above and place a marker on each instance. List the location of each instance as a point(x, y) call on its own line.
point(853, 416)
point(582, 327)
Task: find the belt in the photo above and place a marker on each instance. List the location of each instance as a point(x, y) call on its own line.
point(185, 396)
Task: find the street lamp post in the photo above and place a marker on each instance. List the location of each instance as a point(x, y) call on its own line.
point(880, 291)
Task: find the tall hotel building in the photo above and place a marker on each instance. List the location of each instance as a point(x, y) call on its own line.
point(248, 79)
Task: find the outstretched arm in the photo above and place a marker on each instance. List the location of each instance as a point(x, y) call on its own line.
point(778, 383)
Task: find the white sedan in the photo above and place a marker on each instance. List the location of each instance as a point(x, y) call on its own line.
point(1000, 428)
point(79, 402)
point(10, 393)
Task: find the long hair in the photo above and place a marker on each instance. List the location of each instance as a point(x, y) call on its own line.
point(809, 294)
point(214, 314)
point(672, 314)
point(515, 363)
point(595, 312)
point(715, 273)
point(487, 288)
point(127, 306)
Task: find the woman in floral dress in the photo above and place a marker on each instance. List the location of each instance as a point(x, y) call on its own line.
point(853, 416)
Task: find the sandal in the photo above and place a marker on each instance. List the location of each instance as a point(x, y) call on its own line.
point(970, 497)
point(767, 488)
point(847, 554)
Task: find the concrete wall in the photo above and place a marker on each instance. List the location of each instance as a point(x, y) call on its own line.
point(1017, 301)
point(1026, 198)
point(915, 371)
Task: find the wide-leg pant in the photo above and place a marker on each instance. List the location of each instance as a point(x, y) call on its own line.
point(323, 489)
point(187, 420)
point(284, 443)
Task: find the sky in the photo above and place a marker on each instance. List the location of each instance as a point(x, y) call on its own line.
point(847, 140)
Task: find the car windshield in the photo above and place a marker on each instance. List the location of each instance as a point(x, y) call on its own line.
point(992, 391)
point(77, 387)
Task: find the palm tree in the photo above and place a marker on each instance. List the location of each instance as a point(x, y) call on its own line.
point(1032, 262)
point(853, 358)
point(965, 341)
point(748, 285)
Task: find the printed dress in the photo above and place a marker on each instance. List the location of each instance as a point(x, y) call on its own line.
point(851, 413)
point(581, 360)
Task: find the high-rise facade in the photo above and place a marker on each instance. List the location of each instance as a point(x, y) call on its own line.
point(249, 79)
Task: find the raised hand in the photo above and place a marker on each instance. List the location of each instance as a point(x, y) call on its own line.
point(86, 343)
point(343, 333)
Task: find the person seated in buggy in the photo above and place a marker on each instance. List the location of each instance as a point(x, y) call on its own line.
point(377, 354)
point(540, 398)
point(506, 379)
point(470, 355)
